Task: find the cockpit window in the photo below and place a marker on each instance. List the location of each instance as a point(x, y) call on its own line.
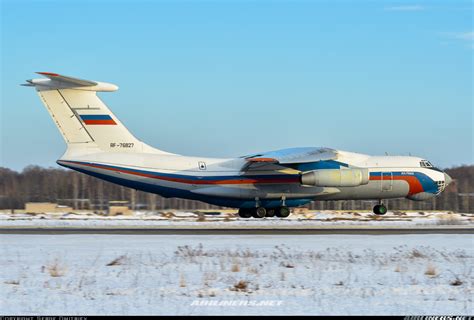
point(426, 164)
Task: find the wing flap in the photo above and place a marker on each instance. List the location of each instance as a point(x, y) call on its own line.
point(262, 160)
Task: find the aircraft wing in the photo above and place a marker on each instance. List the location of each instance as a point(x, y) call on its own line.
point(289, 156)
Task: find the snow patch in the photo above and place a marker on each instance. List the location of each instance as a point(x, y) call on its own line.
point(248, 274)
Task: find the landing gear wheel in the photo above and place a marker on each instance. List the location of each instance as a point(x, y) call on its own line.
point(380, 209)
point(259, 212)
point(283, 212)
point(270, 213)
point(245, 213)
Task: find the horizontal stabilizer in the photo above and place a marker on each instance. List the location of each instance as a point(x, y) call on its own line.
point(71, 80)
point(57, 81)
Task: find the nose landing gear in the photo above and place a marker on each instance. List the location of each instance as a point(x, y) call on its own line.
point(380, 209)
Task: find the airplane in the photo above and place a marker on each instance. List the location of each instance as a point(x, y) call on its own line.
point(265, 184)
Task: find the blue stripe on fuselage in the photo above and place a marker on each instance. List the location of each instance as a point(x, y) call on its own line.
point(180, 193)
point(180, 176)
point(428, 184)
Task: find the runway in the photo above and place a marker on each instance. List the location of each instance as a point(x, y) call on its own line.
point(320, 230)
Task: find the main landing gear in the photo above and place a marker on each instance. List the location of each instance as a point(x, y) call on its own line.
point(261, 212)
point(380, 209)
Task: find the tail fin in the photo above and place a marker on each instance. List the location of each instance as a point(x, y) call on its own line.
point(82, 118)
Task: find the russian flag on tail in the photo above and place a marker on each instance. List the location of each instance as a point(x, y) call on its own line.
point(94, 119)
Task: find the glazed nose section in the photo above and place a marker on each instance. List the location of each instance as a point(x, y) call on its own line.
point(447, 179)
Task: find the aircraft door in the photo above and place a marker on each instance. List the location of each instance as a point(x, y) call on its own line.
point(387, 181)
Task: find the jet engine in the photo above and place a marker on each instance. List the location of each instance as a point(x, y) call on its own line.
point(335, 177)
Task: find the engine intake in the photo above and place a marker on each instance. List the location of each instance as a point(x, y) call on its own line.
point(336, 177)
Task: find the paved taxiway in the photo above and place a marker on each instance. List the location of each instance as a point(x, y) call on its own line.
point(286, 230)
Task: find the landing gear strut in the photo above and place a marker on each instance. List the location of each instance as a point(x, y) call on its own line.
point(283, 211)
point(380, 209)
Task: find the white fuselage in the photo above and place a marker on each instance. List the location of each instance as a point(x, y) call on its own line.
point(220, 180)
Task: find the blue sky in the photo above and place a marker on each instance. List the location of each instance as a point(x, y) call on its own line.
point(229, 78)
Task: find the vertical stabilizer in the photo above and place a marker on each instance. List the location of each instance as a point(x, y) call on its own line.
point(82, 118)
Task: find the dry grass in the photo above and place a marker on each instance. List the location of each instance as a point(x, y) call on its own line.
point(182, 281)
point(253, 270)
point(342, 219)
point(242, 286)
point(168, 215)
point(375, 217)
point(287, 265)
point(456, 282)
point(431, 271)
point(448, 219)
point(399, 213)
point(208, 278)
point(201, 217)
point(222, 264)
point(415, 253)
point(117, 261)
point(56, 270)
point(235, 267)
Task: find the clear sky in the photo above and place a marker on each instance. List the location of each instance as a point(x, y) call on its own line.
point(226, 78)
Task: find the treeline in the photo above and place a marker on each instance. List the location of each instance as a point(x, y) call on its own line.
point(67, 187)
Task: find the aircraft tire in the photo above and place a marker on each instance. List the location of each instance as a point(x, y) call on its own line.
point(380, 209)
point(259, 212)
point(245, 213)
point(270, 213)
point(283, 212)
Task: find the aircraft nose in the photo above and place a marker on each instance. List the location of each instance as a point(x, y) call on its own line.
point(447, 179)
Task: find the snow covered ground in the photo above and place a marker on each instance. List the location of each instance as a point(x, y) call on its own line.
point(228, 218)
point(243, 274)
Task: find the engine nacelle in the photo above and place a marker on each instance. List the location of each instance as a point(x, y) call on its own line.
point(336, 177)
